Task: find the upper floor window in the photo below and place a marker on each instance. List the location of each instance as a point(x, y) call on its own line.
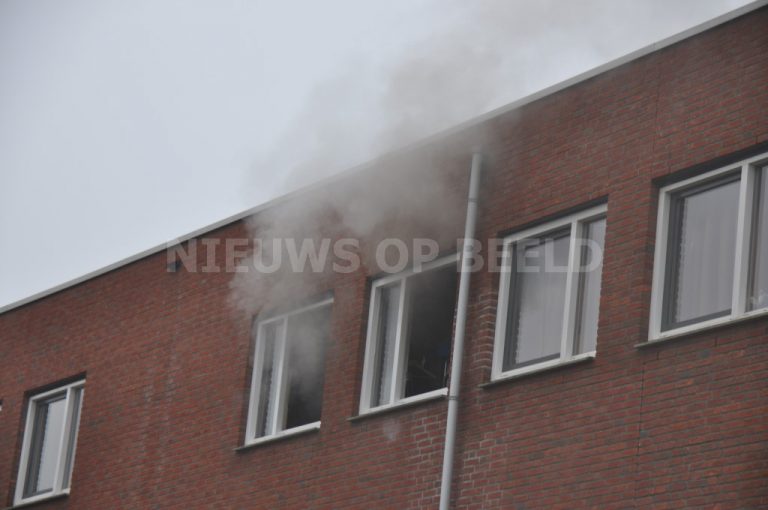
point(288, 372)
point(549, 294)
point(711, 263)
point(409, 335)
point(48, 449)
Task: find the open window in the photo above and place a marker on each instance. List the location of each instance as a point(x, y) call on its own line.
point(711, 262)
point(48, 449)
point(549, 294)
point(288, 372)
point(410, 329)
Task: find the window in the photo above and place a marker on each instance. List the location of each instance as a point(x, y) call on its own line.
point(48, 449)
point(288, 372)
point(409, 335)
point(549, 294)
point(711, 263)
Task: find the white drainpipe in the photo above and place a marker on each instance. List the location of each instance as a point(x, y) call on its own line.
point(458, 340)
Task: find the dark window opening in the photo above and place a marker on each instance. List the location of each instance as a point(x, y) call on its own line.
point(432, 303)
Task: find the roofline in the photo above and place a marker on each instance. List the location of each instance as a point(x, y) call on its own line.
point(548, 91)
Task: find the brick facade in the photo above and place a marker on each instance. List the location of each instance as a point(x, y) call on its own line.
point(683, 424)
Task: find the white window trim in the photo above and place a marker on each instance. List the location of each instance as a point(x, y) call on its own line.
point(576, 221)
point(60, 486)
point(370, 341)
point(748, 170)
point(258, 365)
point(294, 431)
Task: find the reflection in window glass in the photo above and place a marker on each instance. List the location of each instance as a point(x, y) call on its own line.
point(538, 300)
point(702, 251)
point(589, 287)
point(758, 296)
point(264, 415)
point(77, 397)
point(46, 442)
point(385, 351)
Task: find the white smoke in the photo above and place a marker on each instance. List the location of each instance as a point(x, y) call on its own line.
point(483, 54)
point(486, 53)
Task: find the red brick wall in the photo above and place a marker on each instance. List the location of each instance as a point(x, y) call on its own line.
point(678, 425)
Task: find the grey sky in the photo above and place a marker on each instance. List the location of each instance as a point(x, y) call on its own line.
point(126, 124)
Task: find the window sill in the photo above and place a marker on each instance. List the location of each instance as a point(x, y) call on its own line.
point(39, 500)
point(538, 369)
point(284, 435)
point(416, 400)
point(688, 331)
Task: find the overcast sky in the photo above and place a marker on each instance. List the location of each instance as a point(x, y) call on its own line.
point(125, 124)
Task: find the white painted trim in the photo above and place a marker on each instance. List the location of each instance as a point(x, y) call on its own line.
point(429, 266)
point(544, 366)
point(59, 487)
point(659, 266)
point(548, 91)
point(284, 315)
point(703, 326)
point(582, 216)
point(374, 320)
point(283, 433)
point(404, 402)
point(274, 425)
point(575, 222)
point(747, 170)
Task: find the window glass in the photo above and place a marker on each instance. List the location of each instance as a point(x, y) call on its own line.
point(758, 296)
point(590, 277)
point(538, 298)
point(46, 444)
point(265, 410)
point(48, 451)
point(710, 226)
point(385, 343)
point(702, 250)
point(77, 396)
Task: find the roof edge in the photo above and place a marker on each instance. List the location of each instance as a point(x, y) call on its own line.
point(547, 91)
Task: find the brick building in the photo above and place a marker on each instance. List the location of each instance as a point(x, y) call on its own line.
point(637, 382)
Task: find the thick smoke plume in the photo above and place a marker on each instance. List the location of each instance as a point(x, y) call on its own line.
point(481, 55)
point(486, 53)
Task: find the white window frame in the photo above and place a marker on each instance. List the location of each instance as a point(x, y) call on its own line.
point(60, 486)
point(398, 372)
point(748, 170)
point(576, 222)
point(277, 392)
